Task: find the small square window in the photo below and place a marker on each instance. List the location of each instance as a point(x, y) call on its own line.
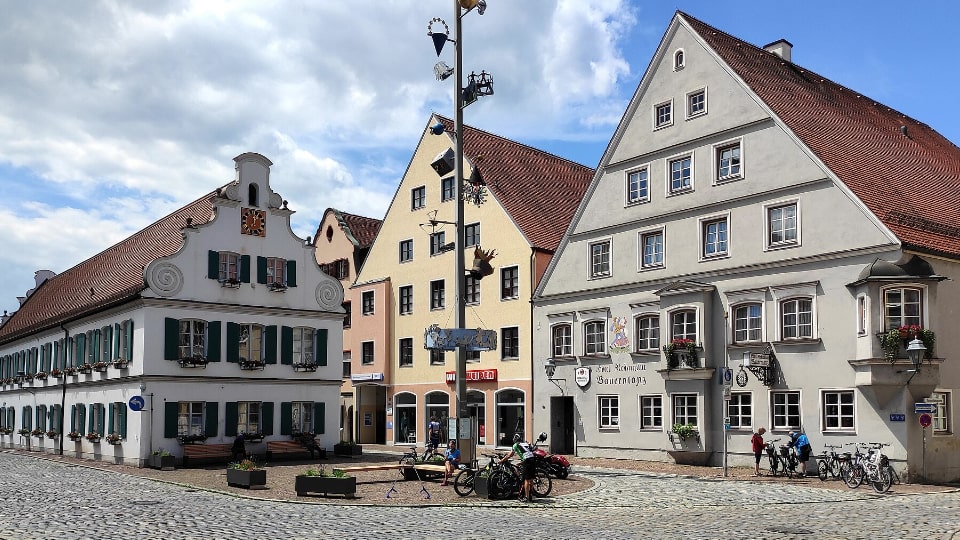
point(651, 412)
point(638, 186)
point(608, 410)
point(600, 259)
point(696, 103)
point(681, 174)
point(663, 115)
point(783, 225)
point(728, 162)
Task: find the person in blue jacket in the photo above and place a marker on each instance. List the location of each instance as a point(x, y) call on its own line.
point(802, 444)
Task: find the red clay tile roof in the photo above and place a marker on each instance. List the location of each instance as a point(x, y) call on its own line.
point(360, 230)
point(905, 172)
point(111, 277)
point(540, 191)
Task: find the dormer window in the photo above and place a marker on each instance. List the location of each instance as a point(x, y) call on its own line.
point(678, 60)
point(253, 195)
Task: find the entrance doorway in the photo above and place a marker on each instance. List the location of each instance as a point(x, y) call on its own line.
point(562, 436)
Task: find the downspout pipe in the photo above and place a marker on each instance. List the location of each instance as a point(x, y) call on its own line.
point(63, 395)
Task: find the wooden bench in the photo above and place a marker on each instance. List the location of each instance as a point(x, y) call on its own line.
point(290, 450)
point(203, 454)
point(408, 472)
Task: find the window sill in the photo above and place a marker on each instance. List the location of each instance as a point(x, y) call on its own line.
point(510, 359)
point(785, 245)
point(651, 354)
point(799, 341)
point(682, 191)
point(594, 357)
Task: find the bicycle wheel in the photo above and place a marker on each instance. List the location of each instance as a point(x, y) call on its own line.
point(822, 469)
point(542, 484)
point(835, 469)
point(463, 482)
point(854, 476)
point(774, 461)
point(894, 477)
point(880, 480)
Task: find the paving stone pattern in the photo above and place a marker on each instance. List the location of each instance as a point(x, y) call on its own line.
point(49, 499)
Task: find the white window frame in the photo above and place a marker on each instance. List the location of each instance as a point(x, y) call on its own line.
point(703, 223)
point(562, 344)
point(301, 417)
point(229, 267)
point(276, 271)
point(467, 292)
point(743, 413)
point(403, 254)
point(768, 244)
point(904, 320)
point(418, 195)
point(641, 338)
point(515, 289)
point(249, 417)
point(749, 329)
point(248, 347)
point(679, 59)
point(942, 419)
point(404, 302)
point(781, 318)
point(663, 105)
point(782, 293)
point(642, 249)
point(832, 408)
point(685, 334)
point(503, 343)
point(863, 314)
point(401, 348)
point(668, 173)
point(651, 412)
point(628, 183)
point(592, 273)
point(191, 418)
point(680, 412)
point(304, 338)
point(196, 345)
point(608, 411)
point(689, 111)
point(600, 348)
point(438, 301)
point(781, 421)
point(717, 151)
point(364, 295)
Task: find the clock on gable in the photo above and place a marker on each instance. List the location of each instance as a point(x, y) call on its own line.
point(253, 222)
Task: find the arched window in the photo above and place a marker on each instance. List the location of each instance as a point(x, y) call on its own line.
point(683, 324)
point(648, 332)
point(748, 323)
point(678, 59)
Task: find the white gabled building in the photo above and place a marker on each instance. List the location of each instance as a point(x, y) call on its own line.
point(218, 315)
point(758, 211)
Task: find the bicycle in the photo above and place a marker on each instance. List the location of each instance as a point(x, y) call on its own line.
point(783, 461)
point(465, 480)
point(506, 479)
point(871, 467)
point(830, 462)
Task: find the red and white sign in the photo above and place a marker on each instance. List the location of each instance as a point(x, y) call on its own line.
point(475, 375)
point(926, 420)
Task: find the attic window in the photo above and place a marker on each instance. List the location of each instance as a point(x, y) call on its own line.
point(329, 233)
point(678, 60)
point(253, 195)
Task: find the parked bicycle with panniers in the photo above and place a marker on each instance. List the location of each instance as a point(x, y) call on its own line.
point(782, 458)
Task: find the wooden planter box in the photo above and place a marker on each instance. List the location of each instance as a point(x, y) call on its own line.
point(481, 486)
point(328, 485)
point(247, 479)
point(690, 457)
point(164, 463)
point(348, 450)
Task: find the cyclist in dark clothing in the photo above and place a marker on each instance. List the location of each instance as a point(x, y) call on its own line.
point(527, 466)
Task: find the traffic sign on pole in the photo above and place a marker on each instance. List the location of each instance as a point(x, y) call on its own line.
point(923, 407)
point(926, 420)
point(137, 403)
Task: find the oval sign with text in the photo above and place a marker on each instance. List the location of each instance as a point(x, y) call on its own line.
point(582, 376)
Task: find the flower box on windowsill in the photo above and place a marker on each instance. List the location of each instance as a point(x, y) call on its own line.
point(252, 437)
point(231, 283)
point(93, 437)
point(191, 439)
point(75, 436)
point(38, 433)
point(305, 366)
point(85, 368)
point(56, 373)
point(277, 287)
point(120, 363)
point(42, 376)
point(27, 377)
point(194, 362)
point(251, 364)
point(114, 438)
point(52, 434)
point(100, 366)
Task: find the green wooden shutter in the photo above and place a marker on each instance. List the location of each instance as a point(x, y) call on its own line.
point(231, 415)
point(111, 349)
point(82, 413)
point(81, 349)
point(286, 418)
point(51, 416)
point(319, 418)
point(291, 273)
point(233, 342)
point(128, 335)
point(266, 417)
point(123, 419)
point(171, 410)
point(321, 347)
point(213, 265)
point(270, 347)
point(245, 268)
point(110, 421)
point(91, 421)
point(286, 346)
point(116, 341)
point(213, 341)
point(101, 429)
point(73, 418)
point(211, 419)
point(261, 270)
point(95, 346)
point(171, 338)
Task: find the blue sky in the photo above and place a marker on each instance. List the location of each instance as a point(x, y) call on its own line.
point(113, 114)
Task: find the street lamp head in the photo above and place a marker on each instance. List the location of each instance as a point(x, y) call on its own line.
point(916, 350)
point(550, 367)
point(437, 129)
point(442, 71)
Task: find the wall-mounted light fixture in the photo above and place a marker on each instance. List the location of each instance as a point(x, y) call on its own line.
point(550, 367)
point(915, 350)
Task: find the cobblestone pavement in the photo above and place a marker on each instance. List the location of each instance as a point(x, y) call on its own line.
point(43, 498)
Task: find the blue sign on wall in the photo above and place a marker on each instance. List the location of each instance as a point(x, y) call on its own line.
point(898, 417)
point(137, 403)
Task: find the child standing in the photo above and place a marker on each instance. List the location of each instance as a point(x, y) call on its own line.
point(757, 442)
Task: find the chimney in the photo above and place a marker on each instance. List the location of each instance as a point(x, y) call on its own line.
point(781, 48)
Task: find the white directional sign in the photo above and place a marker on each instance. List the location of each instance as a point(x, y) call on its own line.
point(921, 407)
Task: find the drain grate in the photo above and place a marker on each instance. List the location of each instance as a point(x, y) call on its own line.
point(789, 530)
point(144, 503)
